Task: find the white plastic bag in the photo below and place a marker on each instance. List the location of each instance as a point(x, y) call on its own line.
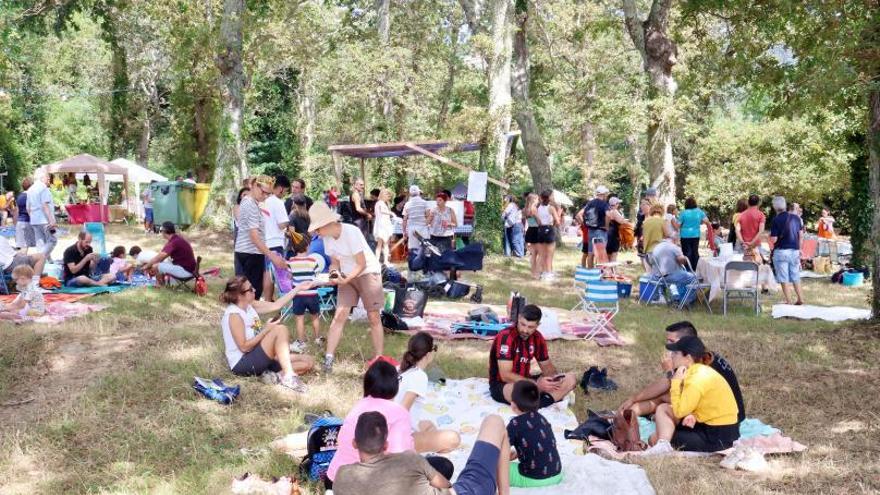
point(549, 326)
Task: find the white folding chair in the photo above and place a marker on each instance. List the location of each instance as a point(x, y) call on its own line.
point(581, 277)
point(600, 304)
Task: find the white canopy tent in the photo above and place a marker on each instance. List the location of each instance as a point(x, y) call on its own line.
point(87, 164)
point(137, 175)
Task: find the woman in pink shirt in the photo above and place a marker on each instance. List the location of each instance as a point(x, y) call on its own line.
point(380, 388)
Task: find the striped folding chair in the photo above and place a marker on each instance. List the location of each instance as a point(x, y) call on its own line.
point(581, 277)
point(600, 305)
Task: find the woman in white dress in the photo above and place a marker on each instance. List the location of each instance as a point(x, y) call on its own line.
point(383, 226)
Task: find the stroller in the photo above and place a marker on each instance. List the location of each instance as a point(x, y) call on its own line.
point(433, 263)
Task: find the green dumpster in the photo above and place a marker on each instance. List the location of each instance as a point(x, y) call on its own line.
point(173, 202)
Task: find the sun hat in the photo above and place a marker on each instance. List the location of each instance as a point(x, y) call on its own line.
point(321, 215)
point(414, 190)
point(602, 190)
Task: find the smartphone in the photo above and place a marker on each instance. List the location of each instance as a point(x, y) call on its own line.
point(275, 319)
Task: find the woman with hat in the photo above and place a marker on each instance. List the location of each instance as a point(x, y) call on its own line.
point(613, 220)
point(442, 222)
point(355, 270)
point(702, 415)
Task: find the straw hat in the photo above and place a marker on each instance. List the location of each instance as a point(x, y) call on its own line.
point(321, 215)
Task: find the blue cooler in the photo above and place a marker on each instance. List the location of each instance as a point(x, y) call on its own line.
point(624, 289)
point(853, 279)
point(647, 292)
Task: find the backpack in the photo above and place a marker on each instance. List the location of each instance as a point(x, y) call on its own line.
point(346, 211)
point(201, 287)
point(591, 217)
point(320, 447)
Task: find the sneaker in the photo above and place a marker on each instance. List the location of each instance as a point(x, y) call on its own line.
point(599, 380)
point(732, 459)
point(298, 347)
point(327, 367)
point(571, 398)
point(294, 383)
point(270, 378)
point(662, 447)
point(752, 461)
point(320, 341)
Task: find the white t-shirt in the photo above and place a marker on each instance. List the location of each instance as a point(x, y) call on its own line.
point(38, 195)
point(233, 353)
point(351, 242)
point(413, 380)
point(275, 213)
point(7, 253)
point(145, 256)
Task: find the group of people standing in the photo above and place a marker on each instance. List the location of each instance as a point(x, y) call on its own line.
point(533, 228)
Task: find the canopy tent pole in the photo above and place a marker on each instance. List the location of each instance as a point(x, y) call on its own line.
point(337, 168)
point(364, 175)
point(447, 161)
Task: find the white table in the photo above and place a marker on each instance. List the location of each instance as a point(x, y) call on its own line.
point(711, 271)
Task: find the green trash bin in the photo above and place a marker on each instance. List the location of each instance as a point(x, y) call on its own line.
point(173, 202)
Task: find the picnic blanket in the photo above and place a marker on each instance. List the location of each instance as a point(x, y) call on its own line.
point(58, 311)
point(440, 316)
point(461, 405)
point(753, 433)
point(107, 289)
point(50, 297)
point(827, 313)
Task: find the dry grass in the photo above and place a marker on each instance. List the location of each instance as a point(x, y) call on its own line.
point(113, 411)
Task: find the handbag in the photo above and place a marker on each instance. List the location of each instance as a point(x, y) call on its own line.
point(409, 303)
point(625, 432)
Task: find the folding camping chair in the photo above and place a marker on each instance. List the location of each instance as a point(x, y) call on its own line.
point(581, 277)
point(187, 283)
point(600, 303)
point(654, 283)
point(326, 300)
point(698, 287)
point(745, 292)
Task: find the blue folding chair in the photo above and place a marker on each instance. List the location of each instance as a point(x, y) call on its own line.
point(326, 300)
point(581, 277)
point(600, 303)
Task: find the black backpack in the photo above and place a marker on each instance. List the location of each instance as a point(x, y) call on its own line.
point(591, 217)
point(346, 211)
point(321, 445)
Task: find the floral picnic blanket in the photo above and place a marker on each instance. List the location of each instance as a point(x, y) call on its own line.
point(58, 311)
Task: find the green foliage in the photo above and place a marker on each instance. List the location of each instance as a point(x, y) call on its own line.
point(861, 207)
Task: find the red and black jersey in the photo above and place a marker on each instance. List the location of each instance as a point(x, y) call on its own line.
point(509, 346)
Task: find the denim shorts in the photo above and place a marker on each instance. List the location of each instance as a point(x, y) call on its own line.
point(600, 234)
point(787, 264)
point(480, 474)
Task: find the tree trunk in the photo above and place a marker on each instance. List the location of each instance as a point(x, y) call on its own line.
point(119, 111)
point(873, 141)
point(451, 71)
point(588, 150)
point(383, 15)
point(231, 166)
point(201, 139)
point(536, 153)
point(307, 117)
point(634, 171)
point(143, 149)
point(659, 54)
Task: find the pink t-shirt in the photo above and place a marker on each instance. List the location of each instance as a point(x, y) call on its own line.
point(750, 222)
point(399, 431)
point(117, 265)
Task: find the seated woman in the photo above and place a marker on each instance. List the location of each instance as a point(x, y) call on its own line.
point(702, 413)
point(411, 395)
point(253, 348)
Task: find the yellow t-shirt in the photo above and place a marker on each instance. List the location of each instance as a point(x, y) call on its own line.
point(652, 232)
point(2, 201)
point(704, 393)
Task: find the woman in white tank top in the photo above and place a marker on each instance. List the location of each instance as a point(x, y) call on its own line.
point(257, 348)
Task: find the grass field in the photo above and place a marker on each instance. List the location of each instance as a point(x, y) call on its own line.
point(103, 404)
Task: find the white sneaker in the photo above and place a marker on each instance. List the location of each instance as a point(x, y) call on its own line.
point(752, 461)
point(732, 459)
point(293, 382)
point(270, 378)
point(662, 447)
point(571, 398)
point(298, 347)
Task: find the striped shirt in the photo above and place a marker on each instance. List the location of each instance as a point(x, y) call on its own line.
point(303, 269)
point(509, 346)
point(249, 217)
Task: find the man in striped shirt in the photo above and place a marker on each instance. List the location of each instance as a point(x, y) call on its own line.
point(511, 357)
point(414, 219)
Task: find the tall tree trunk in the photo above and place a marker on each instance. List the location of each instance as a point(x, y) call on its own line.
point(119, 110)
point(143, 149)
point(451, 71)
point(383, 23)
point(588, 152)
point(634, 171)
point(536, 152)
point(231, 164)
point(873, 141)
point(307, 117)
point(659, 54)
point(201, 139)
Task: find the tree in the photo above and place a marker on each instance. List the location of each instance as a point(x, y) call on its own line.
point(659, 54)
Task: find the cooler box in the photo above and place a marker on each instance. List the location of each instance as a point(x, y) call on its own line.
point(201, 194)
point(99, 242)
point(853, 279)
point(173, 202)
point(624, 289)
point(647, 292)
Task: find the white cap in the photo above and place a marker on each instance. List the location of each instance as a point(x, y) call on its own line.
point(602, 190)
point(414, 190)
point(614, 201)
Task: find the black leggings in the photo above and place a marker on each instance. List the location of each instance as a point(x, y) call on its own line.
point(440, 464)
point(252, 267)
point(705, 438)
point(690, 247)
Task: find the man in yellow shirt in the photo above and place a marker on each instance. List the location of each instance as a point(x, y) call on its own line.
point(702, 413)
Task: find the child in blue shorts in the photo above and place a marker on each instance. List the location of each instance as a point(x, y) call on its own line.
point(303, 268)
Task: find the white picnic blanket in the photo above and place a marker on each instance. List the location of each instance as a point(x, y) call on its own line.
point(827, 313)
point(461, 405)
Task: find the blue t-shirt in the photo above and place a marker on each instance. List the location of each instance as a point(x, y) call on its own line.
point(786, 228)
point(532, 437)
point(690, 221)
point(21, 200)
point(317, 247)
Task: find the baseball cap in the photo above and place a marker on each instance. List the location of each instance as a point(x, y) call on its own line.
point(602, 190)
point(614, 201)
point(690, 345)
point(651, 191)
point(414, 189)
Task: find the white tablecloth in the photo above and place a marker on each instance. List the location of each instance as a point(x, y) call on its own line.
point(711, 271)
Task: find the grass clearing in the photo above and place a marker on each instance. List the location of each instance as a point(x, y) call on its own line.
point(113, 411)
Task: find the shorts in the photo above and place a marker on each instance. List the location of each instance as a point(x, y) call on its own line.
point(520, 481)
point(279, 250)
point(787, 264)
point(24, 236)
point(303, 304)
point(532, 235)
point(479, 476)
point(367, 288)
point(175, 271)
point(496, 390)
point(255, 363)
point(705, 438)
point(74, 282)
point(545, 235)
point(599, 234)
point(21, 260)
point(148, 215)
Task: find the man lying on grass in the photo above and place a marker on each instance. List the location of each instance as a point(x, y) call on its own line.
point(408, 473)
point(511, 357)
